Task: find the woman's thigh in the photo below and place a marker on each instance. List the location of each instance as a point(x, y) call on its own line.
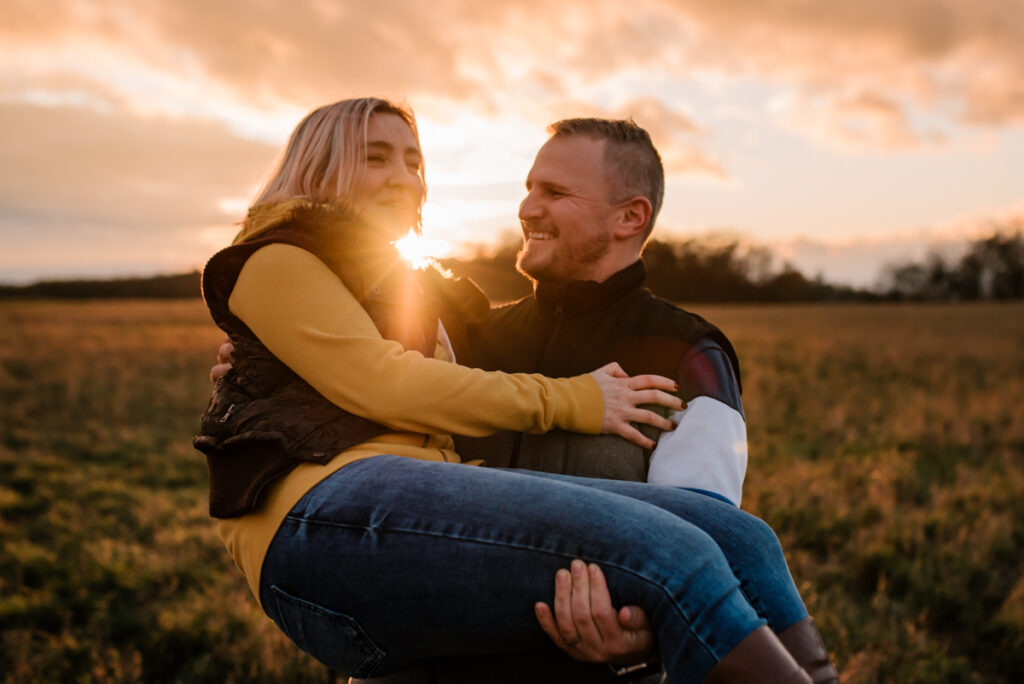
point(392, 560)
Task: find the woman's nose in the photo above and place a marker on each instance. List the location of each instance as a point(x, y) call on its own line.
point(403, 174)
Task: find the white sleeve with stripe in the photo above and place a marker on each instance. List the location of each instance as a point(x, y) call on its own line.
point(707, 451)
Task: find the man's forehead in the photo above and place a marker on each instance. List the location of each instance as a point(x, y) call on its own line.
point(564, 157)
point(572, 146)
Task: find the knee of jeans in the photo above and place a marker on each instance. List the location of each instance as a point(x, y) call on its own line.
point(333, 638)
point(757, 534)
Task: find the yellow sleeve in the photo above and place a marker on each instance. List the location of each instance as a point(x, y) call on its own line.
point(307, 318)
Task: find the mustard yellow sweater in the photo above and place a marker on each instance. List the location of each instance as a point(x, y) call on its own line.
point(307, 318)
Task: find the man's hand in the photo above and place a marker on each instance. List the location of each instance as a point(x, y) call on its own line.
point(223, 359)
point(587, 627)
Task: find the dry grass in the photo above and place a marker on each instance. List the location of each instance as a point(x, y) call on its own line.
point(887, 449)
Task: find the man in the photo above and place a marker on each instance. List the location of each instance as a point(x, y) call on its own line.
point(592, 198)
point(593, 195)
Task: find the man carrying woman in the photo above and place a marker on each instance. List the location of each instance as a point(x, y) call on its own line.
point(331, 467)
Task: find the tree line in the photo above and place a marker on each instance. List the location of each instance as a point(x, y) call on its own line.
point(687, 270)
point(990, 268)
point(177, 286)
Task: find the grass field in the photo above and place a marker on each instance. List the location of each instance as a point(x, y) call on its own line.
point(887, 449)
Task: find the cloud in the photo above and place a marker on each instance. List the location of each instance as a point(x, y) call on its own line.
point(122, 168)
point(145, 116)
point(963, 59)
point(855, 121)
point(104, 182)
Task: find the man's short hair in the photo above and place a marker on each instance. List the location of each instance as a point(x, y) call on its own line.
point(633, 164)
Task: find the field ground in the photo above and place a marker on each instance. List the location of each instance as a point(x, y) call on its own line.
point(887, 449)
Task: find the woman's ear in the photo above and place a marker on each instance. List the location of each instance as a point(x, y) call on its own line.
point(633, 217)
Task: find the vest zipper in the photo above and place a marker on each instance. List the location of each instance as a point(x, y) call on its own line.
point(227, 414)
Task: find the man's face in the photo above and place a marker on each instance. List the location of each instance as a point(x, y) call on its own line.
point(566, 215)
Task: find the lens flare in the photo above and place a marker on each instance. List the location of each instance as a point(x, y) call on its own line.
point(419, 251)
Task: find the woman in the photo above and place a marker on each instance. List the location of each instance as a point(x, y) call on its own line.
point(332, 470)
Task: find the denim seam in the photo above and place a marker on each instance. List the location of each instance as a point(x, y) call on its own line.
point(368, 664)
point(754, 602)
point(560, 554)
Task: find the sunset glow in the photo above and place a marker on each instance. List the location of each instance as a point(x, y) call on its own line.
point(843, 134)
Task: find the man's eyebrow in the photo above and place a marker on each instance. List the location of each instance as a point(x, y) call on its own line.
point(547, 185)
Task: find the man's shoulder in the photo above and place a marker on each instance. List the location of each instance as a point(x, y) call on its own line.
point(660, 316)
point(517, 306)
point(661, 330)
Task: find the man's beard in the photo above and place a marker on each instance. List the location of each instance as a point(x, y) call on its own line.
point(561, 267)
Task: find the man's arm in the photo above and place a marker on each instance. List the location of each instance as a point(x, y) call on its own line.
point(585, 625)
point(223, 359)
point(708, 449)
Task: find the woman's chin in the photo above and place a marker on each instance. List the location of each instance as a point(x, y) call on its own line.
point(391, 225)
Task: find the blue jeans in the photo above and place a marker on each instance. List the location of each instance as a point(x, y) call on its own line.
point(394, 561)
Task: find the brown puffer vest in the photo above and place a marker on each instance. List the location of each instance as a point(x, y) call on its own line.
point(263, 419)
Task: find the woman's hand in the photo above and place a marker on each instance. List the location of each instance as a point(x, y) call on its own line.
point(622, 397)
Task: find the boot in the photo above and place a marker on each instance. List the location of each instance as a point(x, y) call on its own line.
point(804, 643)
point(760, 658)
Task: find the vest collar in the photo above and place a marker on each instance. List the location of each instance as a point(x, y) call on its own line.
point(578, 296)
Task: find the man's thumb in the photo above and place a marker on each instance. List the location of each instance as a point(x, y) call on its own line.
point(631, 617)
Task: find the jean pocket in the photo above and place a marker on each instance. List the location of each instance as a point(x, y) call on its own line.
point(333, 638)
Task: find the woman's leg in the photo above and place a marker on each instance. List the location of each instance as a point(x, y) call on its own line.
point(749, 544)
point(756, 558)
point(391, 561)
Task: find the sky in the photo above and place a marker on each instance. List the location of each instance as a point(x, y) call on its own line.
point(843, 135)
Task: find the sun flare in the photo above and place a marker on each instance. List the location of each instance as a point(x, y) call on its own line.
point(418, 250)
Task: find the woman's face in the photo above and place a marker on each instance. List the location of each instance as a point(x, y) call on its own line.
point(390, 192)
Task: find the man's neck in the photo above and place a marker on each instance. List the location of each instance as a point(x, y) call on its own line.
point(608, 268)
point(553, 283)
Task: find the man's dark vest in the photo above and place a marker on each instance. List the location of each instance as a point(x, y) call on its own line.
point(570, 328)
point(263, 419)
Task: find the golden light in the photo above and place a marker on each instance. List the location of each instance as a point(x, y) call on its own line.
point(418, 250)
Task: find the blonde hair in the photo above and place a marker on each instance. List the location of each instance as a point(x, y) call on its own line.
point(326, 155)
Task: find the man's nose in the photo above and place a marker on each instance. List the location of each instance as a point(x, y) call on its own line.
point(529, 208)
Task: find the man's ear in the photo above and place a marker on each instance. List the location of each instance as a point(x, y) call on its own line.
point(633, 217)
